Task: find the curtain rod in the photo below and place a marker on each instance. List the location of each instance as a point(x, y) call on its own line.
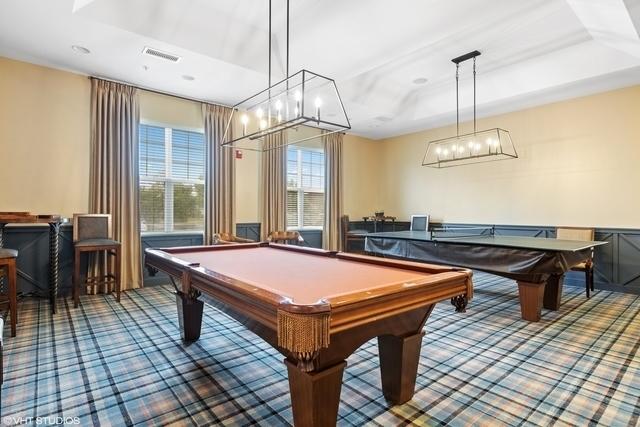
point(159, 92)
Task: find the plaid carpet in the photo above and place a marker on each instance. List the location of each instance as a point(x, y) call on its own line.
point(123, 364)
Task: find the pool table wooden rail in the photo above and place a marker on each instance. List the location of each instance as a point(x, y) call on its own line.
point(346, 310)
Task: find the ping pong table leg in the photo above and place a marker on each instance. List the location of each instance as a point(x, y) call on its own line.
point(531, 295)
point(553, 292)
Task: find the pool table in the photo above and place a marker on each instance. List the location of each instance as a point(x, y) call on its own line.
point(316, 308)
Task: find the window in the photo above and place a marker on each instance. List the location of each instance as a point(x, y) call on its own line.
point(171, 179)
point(305, 188)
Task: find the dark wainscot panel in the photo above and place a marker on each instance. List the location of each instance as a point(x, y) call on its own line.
point(166, 240)
point(617, 265)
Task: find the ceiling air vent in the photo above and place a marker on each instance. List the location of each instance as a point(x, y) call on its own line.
point(160, 54)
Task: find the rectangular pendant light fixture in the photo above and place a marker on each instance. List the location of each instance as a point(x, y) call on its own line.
point(303, 106)
point(476, 147)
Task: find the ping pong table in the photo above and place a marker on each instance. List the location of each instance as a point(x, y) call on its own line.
point(537, 264)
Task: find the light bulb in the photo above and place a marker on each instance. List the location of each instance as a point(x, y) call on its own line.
point(477, 146)
point(445, 152)
point(438, 150)
point(461, 149)
point(495, 143)
point(263, 124)
point(278, 105)
point(454, 148)
point(297, 95)
point(489, 142)
point(259, 113)
point(244, 119)
point(318, 103)
point(470, 144)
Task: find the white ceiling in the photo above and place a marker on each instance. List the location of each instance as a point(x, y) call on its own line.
point(533, 52)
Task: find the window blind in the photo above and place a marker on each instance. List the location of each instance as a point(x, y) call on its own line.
point(171, 179)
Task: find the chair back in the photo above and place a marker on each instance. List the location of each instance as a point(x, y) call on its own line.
point(344, 227)
point(91, 226)
point(419, 222)
point(285, 237)
point(575, 233)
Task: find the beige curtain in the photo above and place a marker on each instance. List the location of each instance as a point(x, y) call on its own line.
point(273, 184)
point(219, 174)
point(113, 186)
point(331, 233)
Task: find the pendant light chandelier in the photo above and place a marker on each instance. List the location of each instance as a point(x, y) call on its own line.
point(477, 147)
point(303, 106)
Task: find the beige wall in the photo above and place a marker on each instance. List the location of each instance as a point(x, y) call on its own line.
point(579, 165)
point(44, 139)
point(362, 176)
point(170, 111)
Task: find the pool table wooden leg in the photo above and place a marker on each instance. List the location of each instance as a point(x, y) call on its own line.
point(531, 295)
point(399, 357)
point(553, 292)
point(189, 315)
point(315, 396)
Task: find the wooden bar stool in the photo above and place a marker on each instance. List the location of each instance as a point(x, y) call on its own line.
point(92, 233)
point(8, 265)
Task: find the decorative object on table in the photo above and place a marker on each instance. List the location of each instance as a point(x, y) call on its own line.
point(8, 266)
point(585, 235)
point(92, 233)
point(419, 223)
point(303, 106)
point(379, 218)
point(477, 147)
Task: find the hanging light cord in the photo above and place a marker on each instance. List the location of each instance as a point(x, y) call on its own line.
point(287, 38)
point(457, 101)
point(474, 95)
point(269, 43)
